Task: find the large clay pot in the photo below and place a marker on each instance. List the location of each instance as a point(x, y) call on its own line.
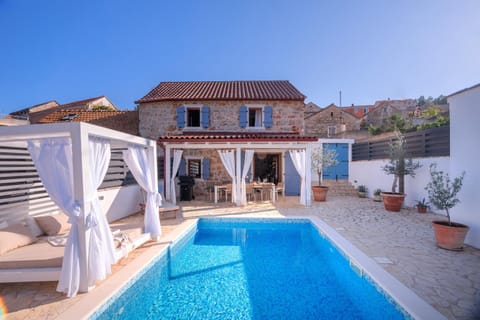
point(393, 201)
point(450, 237)
point(319, 193)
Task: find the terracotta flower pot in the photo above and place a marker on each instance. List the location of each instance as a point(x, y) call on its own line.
point(421, 209)
point(450, 237)
point(319, 193)
point(393, 201)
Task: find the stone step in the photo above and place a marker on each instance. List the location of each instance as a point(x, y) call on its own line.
point(340, 188)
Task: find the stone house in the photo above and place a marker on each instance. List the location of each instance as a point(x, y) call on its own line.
point(36, 113)
point(359, 110)
point(383, 109)
point(331, 122)
point(197, 119)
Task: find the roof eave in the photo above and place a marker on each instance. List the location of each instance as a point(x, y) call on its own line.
point(216, 99)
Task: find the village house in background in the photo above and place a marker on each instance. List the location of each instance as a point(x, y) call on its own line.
point(355, 120)
point(37, 113)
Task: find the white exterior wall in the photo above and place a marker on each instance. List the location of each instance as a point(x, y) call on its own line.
point(370, 174)
point(465, 156)
point(120, 202)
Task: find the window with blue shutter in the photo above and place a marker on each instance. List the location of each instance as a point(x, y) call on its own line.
point(206, 169)
point(182, 169)
point(243, 116)
point(267, 116)
point(205, 116)
point(181, 117)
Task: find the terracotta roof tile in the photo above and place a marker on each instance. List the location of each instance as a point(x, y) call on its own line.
point(79, 103)
point(37, 117)
point(223, 90)
point(237, 137)
point(125, 121)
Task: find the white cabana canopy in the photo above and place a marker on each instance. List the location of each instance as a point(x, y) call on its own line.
point(72, 159)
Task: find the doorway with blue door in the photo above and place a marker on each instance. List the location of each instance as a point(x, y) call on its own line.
point(340, 171)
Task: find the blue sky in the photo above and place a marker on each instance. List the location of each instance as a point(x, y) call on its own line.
point(370, 50)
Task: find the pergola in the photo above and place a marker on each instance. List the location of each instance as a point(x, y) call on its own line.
point(88, 225)
point(237, 143)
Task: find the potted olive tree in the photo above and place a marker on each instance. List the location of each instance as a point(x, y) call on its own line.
point(399, 165)
point(442, 193)
point(322, 159)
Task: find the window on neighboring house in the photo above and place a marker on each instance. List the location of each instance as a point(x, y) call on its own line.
point(365, 110)
point(332, 130)
point(255, 117)
point(194, 168)
point(193, 117)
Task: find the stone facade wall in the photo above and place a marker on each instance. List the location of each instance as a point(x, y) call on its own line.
point(317, 124)
point(126, 121)
point(218, 173)
point(159, 118)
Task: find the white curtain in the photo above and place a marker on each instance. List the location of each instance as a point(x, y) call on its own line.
point(228, 160)
point(258, 118)
point(138, 162)
point(53, 159)
point(298, 159)
point(101, 248)
point(246, 165)
point(177, 158)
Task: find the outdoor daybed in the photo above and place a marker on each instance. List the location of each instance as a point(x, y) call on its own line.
point(32, 249)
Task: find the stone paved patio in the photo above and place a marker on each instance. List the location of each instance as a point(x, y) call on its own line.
point(449, 281)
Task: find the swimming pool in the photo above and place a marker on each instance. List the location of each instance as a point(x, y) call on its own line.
point(254, 269)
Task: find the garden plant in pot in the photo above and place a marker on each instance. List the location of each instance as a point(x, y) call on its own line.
point(442, 193)
point(377, 195)
point(362, 191)
point(322, 159)
point(399, 165)
point(422, 206)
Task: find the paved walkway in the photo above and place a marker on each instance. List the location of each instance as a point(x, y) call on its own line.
point(450, 281)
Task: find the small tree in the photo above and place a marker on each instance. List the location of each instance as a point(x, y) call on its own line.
point(442, 192)
point(322, 159)
point(400, 165)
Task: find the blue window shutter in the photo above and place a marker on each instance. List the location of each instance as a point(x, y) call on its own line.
point(243, 116)
point(267, 116)
point(206, 169)
point(182, 169)
point(181, 116)
point(205, 116)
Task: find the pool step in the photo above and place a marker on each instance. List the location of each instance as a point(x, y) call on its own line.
point(340, 188)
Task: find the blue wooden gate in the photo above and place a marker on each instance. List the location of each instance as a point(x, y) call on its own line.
point(292, 178)
point(340, 171)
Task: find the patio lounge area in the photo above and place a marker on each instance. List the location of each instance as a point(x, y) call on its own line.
point(402, 243)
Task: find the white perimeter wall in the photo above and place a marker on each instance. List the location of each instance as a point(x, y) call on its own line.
point(120, 202)
point(370, 174)
point(465, 156)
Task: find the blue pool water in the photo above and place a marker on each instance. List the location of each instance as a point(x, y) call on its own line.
point(251, 270)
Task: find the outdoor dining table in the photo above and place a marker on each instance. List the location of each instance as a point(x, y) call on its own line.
point(261, 186)
point(264, 186)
